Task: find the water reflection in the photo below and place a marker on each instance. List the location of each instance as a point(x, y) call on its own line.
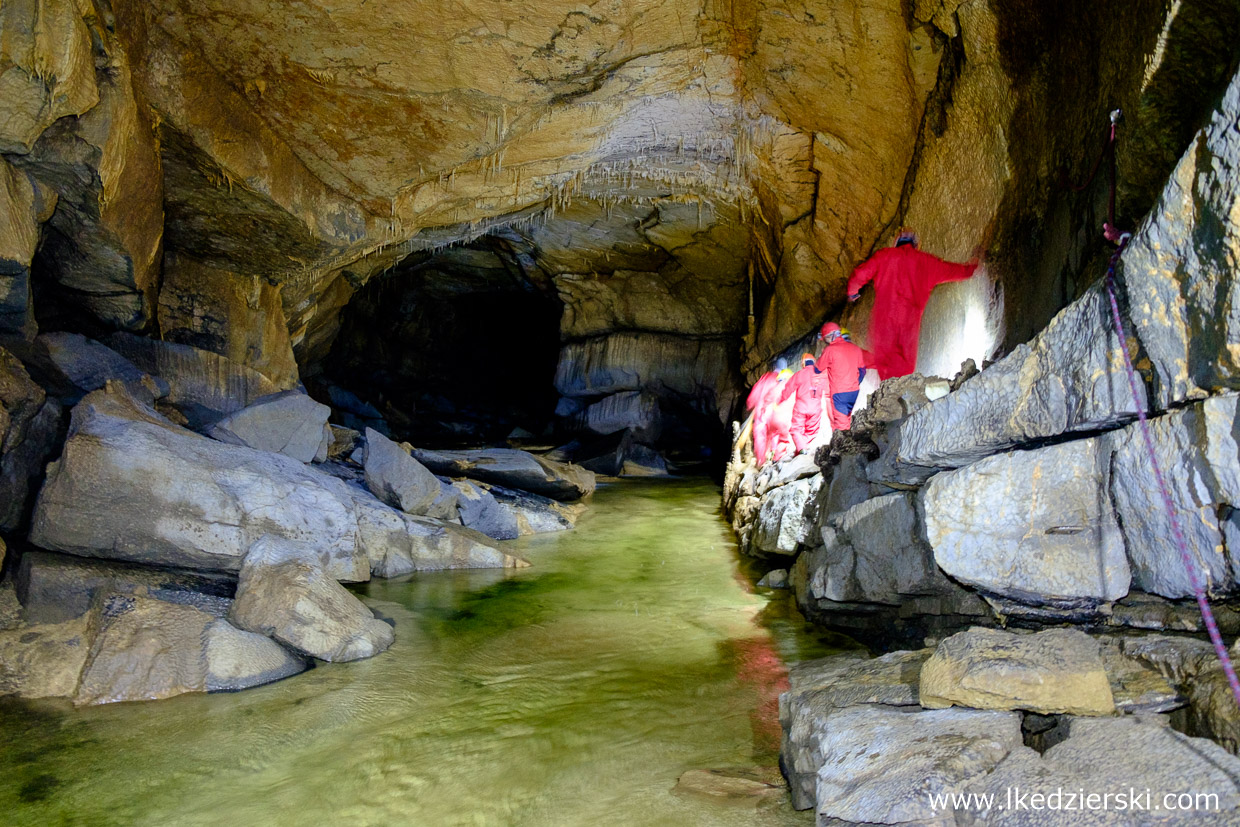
point(572, 693)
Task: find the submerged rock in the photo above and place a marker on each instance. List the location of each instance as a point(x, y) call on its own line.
point(1055, 671)
point(288, 423)
point(512, 469)
point(750, 787)
point(285, 592)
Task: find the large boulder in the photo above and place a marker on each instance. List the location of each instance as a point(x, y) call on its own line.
point(57, 587)
point(29, 423)
point(482, 512)
point(882, 764)
point(400, 543)
point(1055, 671)
point(536, 514)
point(285, 592)
point(818, 688)
point(1034, 526)
point(149, 649)
point(289, 423)
point(512, 469)
point(397, 478)
point(69, 366)
point(787, 517)
point(132, 486)
point(1196, 449)
point(875, 553)
point(1133, 761)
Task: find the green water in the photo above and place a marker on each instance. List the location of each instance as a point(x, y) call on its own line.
point(572, 693)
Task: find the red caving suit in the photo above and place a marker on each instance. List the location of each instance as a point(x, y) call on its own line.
point(809, 385)
point(844, 365)
point(903, 278)
point(769, 429)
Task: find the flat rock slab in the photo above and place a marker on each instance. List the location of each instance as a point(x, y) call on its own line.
point(819, 688)
point(288, 423)
point(397, 478)
point(512, 469)
point(882, 765)
point(1135, 685)
point(285, 593)
point(1055, 671)
point(1034, 526)
point(45, 660)
point(1111, 756)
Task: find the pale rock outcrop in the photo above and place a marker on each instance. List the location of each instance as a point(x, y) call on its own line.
point(1035, 526)
point(29, 423)
point(1055, 671)
point(285, 592)
point(512, 469)
point(819, 688)
point(1127, 755)
point(1197, 451)
point(150, 649)
point(45, 660)
point(633, 411)
point(397, 478)
point(880, 763)
point(480, 511)
point(69, 366)
point(875, 554)
point(787, 517)
point(288, 423)
point(57, 587)
point(132, 486)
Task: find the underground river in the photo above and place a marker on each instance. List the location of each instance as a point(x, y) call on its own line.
point(574, 692)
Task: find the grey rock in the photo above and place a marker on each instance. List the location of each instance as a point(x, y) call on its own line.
point(59, 587)
point(643, 461)
point(1136, 686)
point(846, 486)
point(69, 366)
point(1112, 755)
point(1054, 671)
point(284, 592)
point(787, 517)
point(819, 688)
point(1200, 463)
point(288, 423)
point(397, 478)
point(398, 543)
point(536, 514)
point(132, 486)
point(482, 512)
point(29, 425)
point(777, 579)
point(876, 554)
point(45, 660)
point(881, 764)
point(628, 411)
point(237, 659)
point(790, 469)
point(1034, 526)
point(512, 469)
point(204, 386)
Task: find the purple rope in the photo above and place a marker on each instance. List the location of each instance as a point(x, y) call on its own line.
point(1189, 566)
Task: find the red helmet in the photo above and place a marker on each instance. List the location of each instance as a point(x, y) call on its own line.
point(828, 330)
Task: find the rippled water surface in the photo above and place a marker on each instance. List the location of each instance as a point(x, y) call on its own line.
point(572, 693)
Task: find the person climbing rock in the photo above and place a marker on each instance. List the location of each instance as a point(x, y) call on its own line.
point(903, 278)
point(763, 399)
point(844, 365)
point(809, 386)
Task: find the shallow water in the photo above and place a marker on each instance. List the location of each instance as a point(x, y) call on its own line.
point(572, 693)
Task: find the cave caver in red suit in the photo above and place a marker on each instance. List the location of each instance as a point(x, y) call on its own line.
point(770, 431)
point(903, 277)
point(809, 386)
point(844, 365)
